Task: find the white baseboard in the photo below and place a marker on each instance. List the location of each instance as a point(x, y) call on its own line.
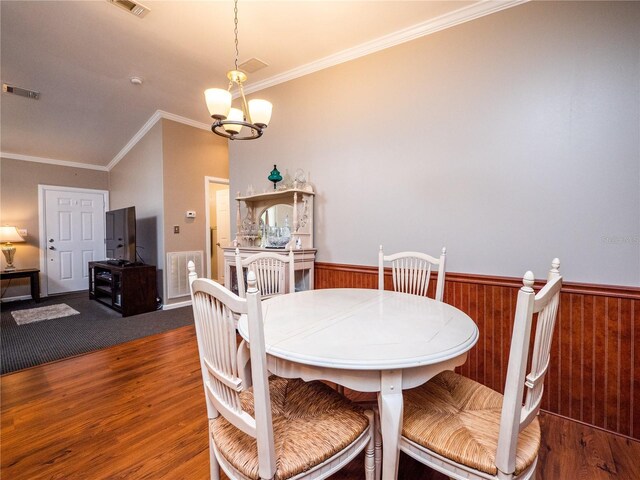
point(171, 306)
point(15, 299)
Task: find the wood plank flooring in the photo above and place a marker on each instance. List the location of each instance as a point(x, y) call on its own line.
point(136, 411)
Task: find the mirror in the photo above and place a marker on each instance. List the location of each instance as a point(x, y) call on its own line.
point(277, 216)
point(275, 222)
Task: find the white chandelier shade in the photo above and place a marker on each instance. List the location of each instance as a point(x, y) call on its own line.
point(218, 102)
point(260, 111)
point(235, 115)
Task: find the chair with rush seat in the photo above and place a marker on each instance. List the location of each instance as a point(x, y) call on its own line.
point(274, 276)
point(279, 428)
point(411, 272)
point(274, 272)
point(469, 431)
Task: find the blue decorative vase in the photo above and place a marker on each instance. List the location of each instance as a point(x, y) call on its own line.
point(274, 176)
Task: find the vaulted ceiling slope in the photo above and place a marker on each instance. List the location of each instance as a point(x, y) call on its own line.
point(80, 56)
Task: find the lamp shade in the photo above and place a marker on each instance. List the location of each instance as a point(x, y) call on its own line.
point(218, 102)
point(10, 234)
point(260, 111)
point(237, 115)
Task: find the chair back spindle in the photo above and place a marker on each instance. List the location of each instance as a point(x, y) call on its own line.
point(516, 416)
point(270, 275)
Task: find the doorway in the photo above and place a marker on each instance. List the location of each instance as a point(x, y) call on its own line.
point(71, 235)
point(218, 225)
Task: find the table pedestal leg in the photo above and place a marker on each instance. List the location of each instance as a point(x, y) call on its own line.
point(390, 404)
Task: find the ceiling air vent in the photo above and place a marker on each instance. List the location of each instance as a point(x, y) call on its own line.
point(135, 8)
point(252, 65)
point(23, 92)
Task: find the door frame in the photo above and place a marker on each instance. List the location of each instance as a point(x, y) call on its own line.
point(209, 248)
point(42, 189)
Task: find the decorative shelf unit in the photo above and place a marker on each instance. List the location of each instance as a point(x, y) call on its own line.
point(292, 208)
point(130, 290)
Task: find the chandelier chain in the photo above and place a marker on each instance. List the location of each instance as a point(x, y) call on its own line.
point(235, 30)
point(230, 121)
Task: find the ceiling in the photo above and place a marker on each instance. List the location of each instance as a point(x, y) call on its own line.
point(80, 56)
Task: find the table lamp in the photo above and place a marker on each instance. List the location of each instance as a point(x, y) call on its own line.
point(9, 235)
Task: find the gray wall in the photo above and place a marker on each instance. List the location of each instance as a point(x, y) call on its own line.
point(189, 155)
point(511, 139)
point(163, 177)
point(137, 180)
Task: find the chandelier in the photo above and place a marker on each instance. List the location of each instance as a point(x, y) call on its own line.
point(246, 122)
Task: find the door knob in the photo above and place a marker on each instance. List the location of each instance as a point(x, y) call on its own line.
point(218, 244)
point(50, 240)
point(52, 247)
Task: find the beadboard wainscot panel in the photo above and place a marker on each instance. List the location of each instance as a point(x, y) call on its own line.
point(594, 375)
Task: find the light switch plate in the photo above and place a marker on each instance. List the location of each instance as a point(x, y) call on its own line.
point(176, 229)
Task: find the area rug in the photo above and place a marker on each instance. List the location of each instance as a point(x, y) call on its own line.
point(22, 317)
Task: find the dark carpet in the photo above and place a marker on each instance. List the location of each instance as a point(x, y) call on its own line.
point(96, 327)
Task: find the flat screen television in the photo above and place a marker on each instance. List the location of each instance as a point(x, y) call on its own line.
point(120, 234)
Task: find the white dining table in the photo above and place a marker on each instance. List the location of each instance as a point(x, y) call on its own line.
point(366, 340)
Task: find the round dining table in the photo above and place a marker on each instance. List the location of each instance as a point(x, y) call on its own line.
point(366, 340)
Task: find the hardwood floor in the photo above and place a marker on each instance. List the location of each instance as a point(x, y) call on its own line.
point(136, 411)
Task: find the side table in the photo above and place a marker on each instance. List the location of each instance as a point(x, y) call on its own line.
point(34, 279)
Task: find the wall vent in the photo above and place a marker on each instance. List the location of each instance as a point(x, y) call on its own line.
point(23, 92)
point(177, 273)
point(135, 8)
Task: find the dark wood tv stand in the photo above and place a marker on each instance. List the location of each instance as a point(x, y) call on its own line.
point(130, 290)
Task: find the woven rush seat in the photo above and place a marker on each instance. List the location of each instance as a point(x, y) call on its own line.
point(311, 423)
point(459, 419)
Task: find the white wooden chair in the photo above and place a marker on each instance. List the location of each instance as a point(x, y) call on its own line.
point(274, 272)
point(468, 431)
point(279, 428)
point(411, 272)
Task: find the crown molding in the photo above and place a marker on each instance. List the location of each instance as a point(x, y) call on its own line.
point(52, 161)
point(184, 120)
point(451, 19)
point(158, 115)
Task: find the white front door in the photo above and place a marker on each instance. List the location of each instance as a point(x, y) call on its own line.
point(224, 228)
point(74, 233)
